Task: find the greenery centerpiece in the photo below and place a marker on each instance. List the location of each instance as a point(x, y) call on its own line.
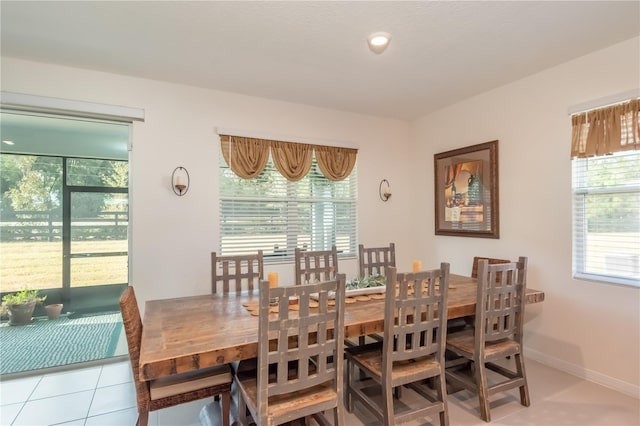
point(21, 305)
point(371, 281)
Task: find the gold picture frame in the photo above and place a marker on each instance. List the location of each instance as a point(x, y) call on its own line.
point(466, 191)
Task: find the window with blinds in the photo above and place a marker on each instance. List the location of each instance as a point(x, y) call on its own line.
point(272, 214)
point(606, 218)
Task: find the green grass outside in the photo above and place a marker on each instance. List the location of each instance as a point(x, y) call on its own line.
point(38, 264)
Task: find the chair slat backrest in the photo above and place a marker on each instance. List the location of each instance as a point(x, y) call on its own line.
point(236, 273)
point(315, 266)
point(492, 261)
point(376, 259)
point(500, 300)
point(132, 323)
point(318, 333)
point(415, 320)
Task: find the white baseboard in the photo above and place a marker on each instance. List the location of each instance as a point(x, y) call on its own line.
point(579, 371)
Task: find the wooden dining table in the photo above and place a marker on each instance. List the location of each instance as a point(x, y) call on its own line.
point(190, 333)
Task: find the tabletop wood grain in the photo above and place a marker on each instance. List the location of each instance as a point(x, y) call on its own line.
point(190, 333)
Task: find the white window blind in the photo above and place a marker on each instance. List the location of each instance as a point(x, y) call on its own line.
point(606, 218)
point(270, 213)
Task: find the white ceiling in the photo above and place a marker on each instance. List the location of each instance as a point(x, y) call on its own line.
point(315, 52)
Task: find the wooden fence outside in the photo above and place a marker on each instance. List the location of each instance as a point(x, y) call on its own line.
point(47, 226)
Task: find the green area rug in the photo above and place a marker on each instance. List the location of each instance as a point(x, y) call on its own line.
point(51, 343)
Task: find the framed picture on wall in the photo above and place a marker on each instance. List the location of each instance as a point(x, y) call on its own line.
point(466, 191)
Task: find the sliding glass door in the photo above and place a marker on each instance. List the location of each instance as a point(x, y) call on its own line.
point(64, 218)
point(94, 233)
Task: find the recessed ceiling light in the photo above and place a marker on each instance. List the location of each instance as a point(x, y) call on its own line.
point(379, 41)
point(8, 142)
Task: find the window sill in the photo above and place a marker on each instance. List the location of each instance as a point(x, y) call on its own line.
point(606, 279)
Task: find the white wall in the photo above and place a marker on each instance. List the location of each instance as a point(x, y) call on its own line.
point(588, 328)
point(173, 236)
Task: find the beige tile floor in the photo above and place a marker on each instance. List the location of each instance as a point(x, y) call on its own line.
point(104, 395)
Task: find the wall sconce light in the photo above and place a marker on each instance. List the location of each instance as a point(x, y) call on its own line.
point(384, 190)
point(180, 181)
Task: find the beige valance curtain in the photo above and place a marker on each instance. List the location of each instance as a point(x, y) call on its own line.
point(606, 130)
point(335, 163)
point(293, 160)
point(247, 157)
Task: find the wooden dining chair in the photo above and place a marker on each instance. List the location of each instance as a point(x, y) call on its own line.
point(492, 261)
point(412, 350)
point(300, 356)
point(374, 260)
point(497, 334)
point(315, 266)
point(458, 324)
point(232, 274)
point(172, 390)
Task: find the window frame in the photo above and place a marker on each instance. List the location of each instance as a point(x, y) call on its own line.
point(579, 191)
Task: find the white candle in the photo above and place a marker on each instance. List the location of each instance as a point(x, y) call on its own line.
point(178, 180)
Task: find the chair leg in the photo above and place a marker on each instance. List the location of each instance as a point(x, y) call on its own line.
point(338, 416)
point(483, 394)
point(348, 396)
point(242, 410)
point(361, 342)
point(397, 392)
point(441, 391)
point(524, 390)
point(226, 407)
point(143, 418)
point(387, 396)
